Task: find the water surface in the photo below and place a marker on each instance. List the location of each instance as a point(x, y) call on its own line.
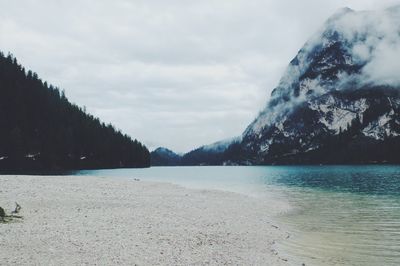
point(343, 215)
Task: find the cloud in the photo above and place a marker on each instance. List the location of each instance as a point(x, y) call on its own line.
point(384, 67)
point(173, 73)
point(375, 36)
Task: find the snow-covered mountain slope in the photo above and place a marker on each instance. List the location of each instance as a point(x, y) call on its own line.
point(347, 74)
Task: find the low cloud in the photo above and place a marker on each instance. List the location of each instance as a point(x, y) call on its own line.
point(376, 37)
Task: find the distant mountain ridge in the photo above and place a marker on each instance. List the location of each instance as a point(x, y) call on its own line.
point(337, 102)
point(212, 154)
point(42, 131)
point(164, 157)
point(220, 146)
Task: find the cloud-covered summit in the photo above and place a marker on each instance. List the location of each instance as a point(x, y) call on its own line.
point(339, 81)
point(359, 49)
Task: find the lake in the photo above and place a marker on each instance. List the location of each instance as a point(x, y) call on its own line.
point(342, 215)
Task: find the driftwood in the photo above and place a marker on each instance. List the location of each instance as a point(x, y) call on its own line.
point(17, 208)
point(8, 218)
point(2, 214)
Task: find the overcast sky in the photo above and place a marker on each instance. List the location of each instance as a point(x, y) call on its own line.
point(177, 74)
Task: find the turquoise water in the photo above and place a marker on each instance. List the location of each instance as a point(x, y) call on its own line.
point(343, 215)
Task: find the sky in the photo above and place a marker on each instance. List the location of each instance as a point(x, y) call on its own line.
point(177, 74)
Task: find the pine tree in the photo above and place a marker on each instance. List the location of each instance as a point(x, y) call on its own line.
point(37, 120)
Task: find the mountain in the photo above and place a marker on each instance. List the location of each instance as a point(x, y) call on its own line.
point(42, 131)
point(164, 157)
point(218, 153)
point(339, 99)
point(220, 146)
point(212, 154)
point(337, 102)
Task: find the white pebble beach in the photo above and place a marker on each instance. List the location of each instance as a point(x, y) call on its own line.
point(81, 220)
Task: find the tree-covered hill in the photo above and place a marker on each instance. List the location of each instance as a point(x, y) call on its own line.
point(40, 130)
point(164, 157)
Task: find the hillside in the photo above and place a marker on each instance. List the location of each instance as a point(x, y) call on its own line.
point(42, 131)
point(164, 157)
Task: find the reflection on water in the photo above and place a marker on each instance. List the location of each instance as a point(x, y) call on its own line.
point(344, 215)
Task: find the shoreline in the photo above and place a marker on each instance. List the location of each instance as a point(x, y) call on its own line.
point(71, 220)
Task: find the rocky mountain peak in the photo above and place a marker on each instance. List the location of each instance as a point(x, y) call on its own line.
point(335, 79)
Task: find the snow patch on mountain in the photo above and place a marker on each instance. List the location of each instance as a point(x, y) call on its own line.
point(337, 115)
point(380, 128)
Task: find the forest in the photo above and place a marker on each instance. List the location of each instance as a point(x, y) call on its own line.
point(41, 130)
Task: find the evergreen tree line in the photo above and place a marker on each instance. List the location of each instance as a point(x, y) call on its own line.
point(42, 131)
point(349, 146)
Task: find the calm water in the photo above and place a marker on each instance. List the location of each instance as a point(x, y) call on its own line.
point(343, 215)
